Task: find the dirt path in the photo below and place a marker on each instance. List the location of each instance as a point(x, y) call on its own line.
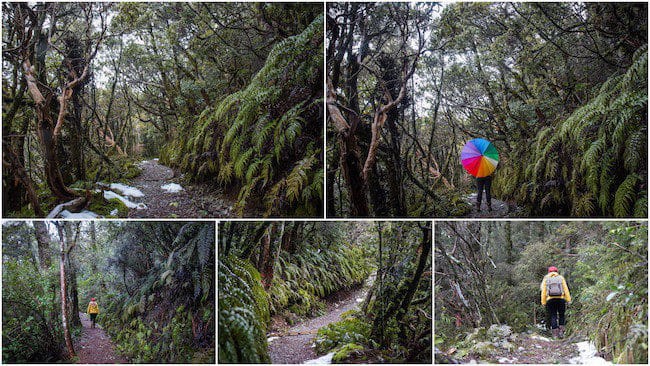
point(191, 201)
point(499, 208)
point(94, 345)
point(296, 348)
point(533, 348)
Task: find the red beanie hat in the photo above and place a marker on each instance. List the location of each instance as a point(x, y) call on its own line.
point(552, 269)
point(93, 299)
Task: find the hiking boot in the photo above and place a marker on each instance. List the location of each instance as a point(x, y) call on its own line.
point(556, 333)
point(561, 331)
point(478, 206)
point(489, 207)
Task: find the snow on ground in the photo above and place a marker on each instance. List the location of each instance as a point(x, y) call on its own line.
point(507, 360)
point(130, 204)
point(327, 359)
point(127, 190)
point(114, 212)
point(172, 187)
point(535, 336)
point(85, 214)
point(271, 339)
point(588, 355)
point(360, 299)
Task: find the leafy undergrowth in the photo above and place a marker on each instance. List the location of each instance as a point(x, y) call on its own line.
point(264, 139)
point(243, 313)
point(169, 317)
point(301, 280)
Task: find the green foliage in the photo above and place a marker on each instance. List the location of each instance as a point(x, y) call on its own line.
point(300, 279)
point(243, 313)
point(594, 163)
point(265, 139)
point(31, 330)
point(167, 312)
point(353, 328)
point(615, 297)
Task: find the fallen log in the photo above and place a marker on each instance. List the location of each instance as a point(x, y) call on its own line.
point(73, 206)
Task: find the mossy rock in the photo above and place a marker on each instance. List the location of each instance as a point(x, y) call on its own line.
point(483, 349)
point(104, 207)
point(346, 351)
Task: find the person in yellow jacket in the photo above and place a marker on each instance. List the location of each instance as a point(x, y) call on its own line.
point(93, 310)
point(555, 296)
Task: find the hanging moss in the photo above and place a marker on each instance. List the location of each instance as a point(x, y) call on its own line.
point(265, 139)
point(243, 313)
point(594, 163)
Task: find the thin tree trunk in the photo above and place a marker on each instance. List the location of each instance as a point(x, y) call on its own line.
point(64, 317)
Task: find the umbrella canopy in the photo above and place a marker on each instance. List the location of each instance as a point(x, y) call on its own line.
point(479, 157)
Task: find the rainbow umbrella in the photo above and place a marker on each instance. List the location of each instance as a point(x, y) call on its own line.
point(479, 157)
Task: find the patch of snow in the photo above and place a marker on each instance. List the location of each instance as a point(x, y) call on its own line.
point(127, 190)
point(507, 360)
point(327, 359)
point(130, 204)
point(114, 212)
point(360, 299)
point(271, 339)
point(156, 159)
point(472, 362)
point(535, 336)
point(172, 188)
point(85, 214)
point(587, 355)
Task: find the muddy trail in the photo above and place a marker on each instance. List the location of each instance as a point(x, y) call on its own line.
point(294, 344)
point(165, 197)
point(499, 208)
point(94, 345)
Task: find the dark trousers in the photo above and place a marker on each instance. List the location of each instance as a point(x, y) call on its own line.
point(484, 184)
point(92, 318)
point(555, 309)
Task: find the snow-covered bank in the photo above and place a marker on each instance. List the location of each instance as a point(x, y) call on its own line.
point(327, 359)
point(588, 355)
point(126, 190)
point(85, 214)
point(128, 203)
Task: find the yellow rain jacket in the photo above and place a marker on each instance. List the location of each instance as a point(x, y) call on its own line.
point(93, 308)
point(566, 295)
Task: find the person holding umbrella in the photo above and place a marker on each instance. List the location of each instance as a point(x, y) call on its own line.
point(480, 159)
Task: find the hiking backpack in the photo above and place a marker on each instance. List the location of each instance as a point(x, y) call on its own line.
point(554, 286)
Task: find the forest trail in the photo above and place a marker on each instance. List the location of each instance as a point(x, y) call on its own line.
point(499, 208)
point(94, 345)
point(174, 200)
point(526, 348)
point(291, 347)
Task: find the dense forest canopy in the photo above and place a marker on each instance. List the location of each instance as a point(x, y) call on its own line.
point(229, 94)
point(559, 88)
point(276, 274)
point(153, 281)
point(489, 273)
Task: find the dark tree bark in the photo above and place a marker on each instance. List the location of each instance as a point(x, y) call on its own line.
point(43, 242)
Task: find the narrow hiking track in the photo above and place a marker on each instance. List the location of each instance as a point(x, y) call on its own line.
point(295, 344)
point(190, 201)
point(505, 347)
point(499, 208)
point(94, 345)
